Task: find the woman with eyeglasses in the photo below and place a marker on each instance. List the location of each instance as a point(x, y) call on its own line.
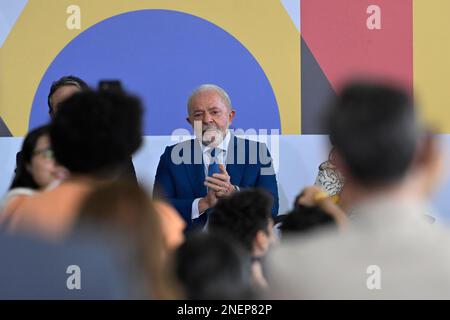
point(37, 170)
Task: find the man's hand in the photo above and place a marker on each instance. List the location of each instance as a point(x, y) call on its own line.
point(207, 202)
point(220, 183)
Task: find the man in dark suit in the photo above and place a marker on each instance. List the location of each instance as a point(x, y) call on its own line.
point(194, 174)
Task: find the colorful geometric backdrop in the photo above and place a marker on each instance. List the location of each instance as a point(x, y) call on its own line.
point(279, 59)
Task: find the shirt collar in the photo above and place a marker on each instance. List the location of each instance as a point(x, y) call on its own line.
point(222, 146)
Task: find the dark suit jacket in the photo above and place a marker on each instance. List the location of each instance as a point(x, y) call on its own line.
point(248, 163)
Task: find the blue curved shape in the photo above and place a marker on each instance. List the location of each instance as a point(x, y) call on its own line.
point(162, 55)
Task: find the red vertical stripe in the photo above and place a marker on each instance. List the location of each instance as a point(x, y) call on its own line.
point(337, 34)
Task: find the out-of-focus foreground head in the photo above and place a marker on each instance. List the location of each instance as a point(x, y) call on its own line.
point(375, 132)
point(245, 216)
point(211, 267)
point(95, 132)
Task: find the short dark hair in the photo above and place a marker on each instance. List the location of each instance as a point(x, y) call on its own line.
point(61, 82)
point(242, 215)
point(374, 129)
point(210, 266)
point(96, 131)
point(23, 178)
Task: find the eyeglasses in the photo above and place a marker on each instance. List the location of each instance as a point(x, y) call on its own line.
point(46, 153)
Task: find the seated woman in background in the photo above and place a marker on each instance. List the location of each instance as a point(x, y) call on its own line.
point(37, 171)
point(92, 134)
point(329, 178)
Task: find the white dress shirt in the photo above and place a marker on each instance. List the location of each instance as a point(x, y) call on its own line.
point(221, 156)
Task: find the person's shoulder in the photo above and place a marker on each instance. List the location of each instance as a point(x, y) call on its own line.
point(57, 198)
point(32, 204)
point(178, 148)
point(326, 243)
point(50, 213)
point(296, 258)
point(16, 193)
point(327, 165)
point(19, 192)
point(182, 144)
point(250, 142)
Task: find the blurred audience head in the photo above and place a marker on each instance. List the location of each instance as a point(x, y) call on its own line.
point(38, 169)
point(62, 89)
point(210, 266)
point(246, 217)
point(93, 133)
point(126, 209)
point(375, 133)
point(303, 219)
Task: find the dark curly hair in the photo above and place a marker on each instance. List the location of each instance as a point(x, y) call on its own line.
point(95, 132)
point(304, 219)
point(242, 215)
point(23, 178)
point(210, 266)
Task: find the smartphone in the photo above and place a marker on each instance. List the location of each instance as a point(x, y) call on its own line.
point(110, 85)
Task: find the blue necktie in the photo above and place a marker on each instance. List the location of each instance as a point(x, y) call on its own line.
point(213, 164)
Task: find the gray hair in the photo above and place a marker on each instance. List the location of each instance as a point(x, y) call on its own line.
point(210, 87)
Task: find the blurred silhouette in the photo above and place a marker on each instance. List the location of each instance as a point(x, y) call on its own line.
point(390, 166)
point(127, 209)
point(211, 267)
point(246, 217)
point(32, 269)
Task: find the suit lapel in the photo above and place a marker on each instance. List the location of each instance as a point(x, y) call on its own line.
point(196, 170)
point(235, 160)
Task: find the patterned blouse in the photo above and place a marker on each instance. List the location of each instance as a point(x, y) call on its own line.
point(329, 178)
